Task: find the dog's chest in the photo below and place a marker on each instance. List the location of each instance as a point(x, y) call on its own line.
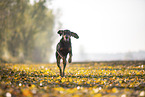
point(65, 45)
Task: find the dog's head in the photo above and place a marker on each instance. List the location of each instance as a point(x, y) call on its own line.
point(66, 34)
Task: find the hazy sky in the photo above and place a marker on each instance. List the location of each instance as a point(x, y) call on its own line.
point(104, 26)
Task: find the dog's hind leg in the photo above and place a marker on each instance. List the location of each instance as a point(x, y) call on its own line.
point(64, 65)
point(58, 64)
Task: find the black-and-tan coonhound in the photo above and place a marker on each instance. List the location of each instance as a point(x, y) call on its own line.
point(64, 48)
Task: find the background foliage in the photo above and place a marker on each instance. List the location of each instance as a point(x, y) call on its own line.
point(26, 31)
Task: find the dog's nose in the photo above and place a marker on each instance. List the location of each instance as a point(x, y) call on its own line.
point(66, 37)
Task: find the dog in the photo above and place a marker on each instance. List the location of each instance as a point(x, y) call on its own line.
point(64, 48)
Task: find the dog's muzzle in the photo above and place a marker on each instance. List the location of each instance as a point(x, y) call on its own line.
point(66, 38)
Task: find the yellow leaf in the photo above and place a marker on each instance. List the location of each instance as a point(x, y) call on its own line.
point(120, 81)
point(98, 95)
point(33, 86)
point(76, 95)
point(114, 90)
point(27, 92)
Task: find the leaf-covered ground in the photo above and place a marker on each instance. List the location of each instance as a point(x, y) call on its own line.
point(81, 80)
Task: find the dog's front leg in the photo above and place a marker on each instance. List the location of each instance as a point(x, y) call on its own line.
point(70, 56)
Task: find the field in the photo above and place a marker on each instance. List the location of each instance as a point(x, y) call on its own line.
point(94, 79)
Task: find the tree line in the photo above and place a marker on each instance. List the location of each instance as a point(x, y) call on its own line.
point(26, 31)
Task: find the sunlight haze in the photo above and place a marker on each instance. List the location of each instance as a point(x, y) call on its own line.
point(104, 26)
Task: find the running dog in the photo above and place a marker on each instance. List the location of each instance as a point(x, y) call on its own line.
point(64, 48)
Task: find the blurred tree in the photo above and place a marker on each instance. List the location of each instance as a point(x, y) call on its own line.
point(45, 25)
point(26, 30)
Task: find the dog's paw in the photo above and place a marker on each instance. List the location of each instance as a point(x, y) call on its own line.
point(69, 60)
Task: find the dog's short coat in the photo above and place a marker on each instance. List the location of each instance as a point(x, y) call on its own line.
point(64, 47)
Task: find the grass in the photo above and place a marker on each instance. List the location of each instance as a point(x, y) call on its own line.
point(81, 80)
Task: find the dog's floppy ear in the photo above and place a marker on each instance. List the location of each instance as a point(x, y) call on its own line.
point(60, 32)
point(74, 35)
